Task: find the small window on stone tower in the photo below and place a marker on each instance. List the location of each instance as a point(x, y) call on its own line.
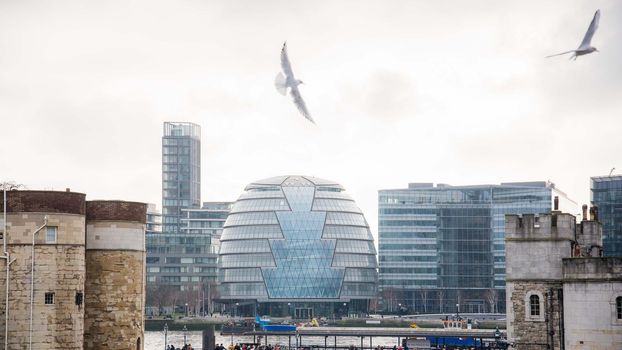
point(619, 307)
point(534, 305)
point(50, 234)
point(49, 298)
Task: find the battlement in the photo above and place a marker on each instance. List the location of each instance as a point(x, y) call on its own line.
point(545, 227)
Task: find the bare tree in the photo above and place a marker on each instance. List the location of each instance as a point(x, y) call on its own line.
point(424, 297)
point(441, 299)
point(492, 296)
point(11, 186)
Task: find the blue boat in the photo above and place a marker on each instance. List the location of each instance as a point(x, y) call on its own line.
point(265, 325)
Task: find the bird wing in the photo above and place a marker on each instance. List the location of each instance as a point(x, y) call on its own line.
point(300, 103)
point(558, 54)
point(590, 31)
point(285, 65)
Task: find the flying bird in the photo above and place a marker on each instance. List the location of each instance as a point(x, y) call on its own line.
point(585, 46)
point(286, 79)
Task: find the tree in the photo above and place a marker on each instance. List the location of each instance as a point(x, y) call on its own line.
point(492, 296)
point(424, 298)
point(441, 299)
point(10, 186)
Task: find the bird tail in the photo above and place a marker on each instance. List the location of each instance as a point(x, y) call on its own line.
point(280, 84)
point(559, 54)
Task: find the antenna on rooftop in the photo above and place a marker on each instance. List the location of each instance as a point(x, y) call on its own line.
point(612, 169)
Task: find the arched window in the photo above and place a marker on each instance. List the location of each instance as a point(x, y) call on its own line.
point(534, 305)
point(619, 308)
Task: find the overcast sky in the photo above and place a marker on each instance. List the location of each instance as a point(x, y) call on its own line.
point(454, 92)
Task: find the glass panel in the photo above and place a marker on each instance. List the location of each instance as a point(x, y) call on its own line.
point(345, 219)
point(251, 219)
point(352, 246)
point(335, 205)
point(245, 246)
point(247, 232)
point(260, 205)
point(246, 260)
point(300, 198)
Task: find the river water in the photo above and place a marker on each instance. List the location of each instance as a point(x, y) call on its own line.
point(155, 340)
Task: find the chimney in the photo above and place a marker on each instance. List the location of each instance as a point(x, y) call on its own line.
point(556, 203)
point(584, 212)
point(67, 189)
point(595, 212)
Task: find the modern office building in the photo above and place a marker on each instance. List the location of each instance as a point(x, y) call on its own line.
point(606, 194)
point(181, 172)
point(442, 248)
point(298, 246)
point(187, 261)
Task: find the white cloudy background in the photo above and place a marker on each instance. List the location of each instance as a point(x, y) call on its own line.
point(455, 92)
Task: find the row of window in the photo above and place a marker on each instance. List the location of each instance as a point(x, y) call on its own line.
point(179, 260)
point(181, 269)
point(49, 298)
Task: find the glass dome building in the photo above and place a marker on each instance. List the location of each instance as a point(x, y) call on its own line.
point(297, 246)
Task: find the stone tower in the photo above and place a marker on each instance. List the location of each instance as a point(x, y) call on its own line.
point(535, 246)
point(57, 250)
point(115, 278)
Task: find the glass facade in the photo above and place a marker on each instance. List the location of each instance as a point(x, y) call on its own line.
point(181, 172)
point(606, 194)
point(445, 245)
point(297, 245)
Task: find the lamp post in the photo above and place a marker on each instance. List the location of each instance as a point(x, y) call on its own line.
point(458, 311)
point(186, 309)
point(165, 336)
point(185, 330)
point(289, 309)
point(235, 311)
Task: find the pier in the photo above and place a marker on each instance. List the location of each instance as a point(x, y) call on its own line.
point(483, 338)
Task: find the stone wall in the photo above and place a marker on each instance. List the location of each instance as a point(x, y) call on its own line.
point(528, 332)
point(115, 299)
point(591, 286)
point(59, 269)
point(115, 277)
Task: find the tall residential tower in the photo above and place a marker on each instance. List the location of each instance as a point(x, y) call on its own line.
point(181, 172)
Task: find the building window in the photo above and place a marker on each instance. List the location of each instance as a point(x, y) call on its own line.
point(619, 308)
point(49, 298)
point(50, 234)
point(534, 305)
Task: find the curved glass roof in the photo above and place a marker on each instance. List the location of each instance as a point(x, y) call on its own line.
point(296, 237)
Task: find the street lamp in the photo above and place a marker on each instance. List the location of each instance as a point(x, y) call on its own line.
point(165, 336)
point(186, 309)
point(458, 311)
point(235, 311)
point(185, 330)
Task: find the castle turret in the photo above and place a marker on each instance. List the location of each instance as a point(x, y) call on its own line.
point(45, 240)
point(535, 246)
point(115, 279)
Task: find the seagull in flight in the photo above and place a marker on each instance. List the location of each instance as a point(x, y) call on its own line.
point(585, 46)
point(286, 80)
